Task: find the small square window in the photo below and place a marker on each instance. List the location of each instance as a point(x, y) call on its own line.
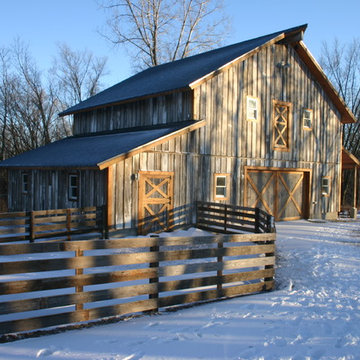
point(307, 119)
point(325, 186)
point(252, 108)
point(73, 188)
point(221, 186)
point(24, 183)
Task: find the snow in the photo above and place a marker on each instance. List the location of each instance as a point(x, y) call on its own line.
point(313, 313)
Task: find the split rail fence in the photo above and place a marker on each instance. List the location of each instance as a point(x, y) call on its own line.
point(225, 218)
point(52, 283)
point(47, 224)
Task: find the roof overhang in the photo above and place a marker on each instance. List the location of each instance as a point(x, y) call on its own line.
point(347, 116)
point(348, 160)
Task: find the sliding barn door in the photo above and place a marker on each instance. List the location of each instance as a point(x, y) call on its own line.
point(283, 194)
point(155, 201)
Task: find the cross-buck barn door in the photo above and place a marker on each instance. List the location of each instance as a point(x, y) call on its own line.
point(282, 193)
point(155, 201)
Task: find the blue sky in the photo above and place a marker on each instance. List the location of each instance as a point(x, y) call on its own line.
point(44, 23)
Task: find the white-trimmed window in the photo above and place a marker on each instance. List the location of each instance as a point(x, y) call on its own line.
point(252, 108)
point(325, 186)
point(221, 186)
point(73, 187)
point(307, 119)
point(24, 182)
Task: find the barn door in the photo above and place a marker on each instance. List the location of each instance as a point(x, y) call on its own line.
point(281, 193)
point(155, 201)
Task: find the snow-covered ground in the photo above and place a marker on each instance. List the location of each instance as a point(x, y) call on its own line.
point(313, 314)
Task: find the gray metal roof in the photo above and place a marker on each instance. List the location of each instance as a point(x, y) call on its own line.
point(174, 75)
point(88, 151)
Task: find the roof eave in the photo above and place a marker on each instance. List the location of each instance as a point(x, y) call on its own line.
point(347, 116)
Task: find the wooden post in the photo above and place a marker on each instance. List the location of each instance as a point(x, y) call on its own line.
point(68, 224)
point(355, 188)
point(219, 272)
point(79, 288)
point(110, 200)
point(105, 229)
point(32, 227)
point(155, 249)
point(257, 220)
point(225, 218)
point(196, 213)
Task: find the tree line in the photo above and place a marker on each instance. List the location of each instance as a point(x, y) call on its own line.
point(30, 100)
point(153, 32)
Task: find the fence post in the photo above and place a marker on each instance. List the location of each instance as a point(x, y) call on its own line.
point(257, 220)
point(105, 228)
point(79, 288)
point(155, 249)
point(32, 226)
point(220, 271)
point(68, 224)
point(196, 213)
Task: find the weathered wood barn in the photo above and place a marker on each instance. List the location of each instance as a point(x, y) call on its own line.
point(256, 123)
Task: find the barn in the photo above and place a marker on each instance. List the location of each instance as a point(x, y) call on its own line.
point(255, 123)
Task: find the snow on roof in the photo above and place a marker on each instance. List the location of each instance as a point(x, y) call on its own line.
point(174, 75)
point(89, 151)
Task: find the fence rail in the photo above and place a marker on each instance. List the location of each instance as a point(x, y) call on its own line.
point(227, 218)
point(87, 280)
point(47, 224)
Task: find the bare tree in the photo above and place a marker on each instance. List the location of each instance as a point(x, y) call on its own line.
point(342, 65)
point(6, 85)
point(78, 73)
point(31, 100)
point(159, 31)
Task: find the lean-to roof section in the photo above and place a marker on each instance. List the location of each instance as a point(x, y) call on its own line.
point(98, 151)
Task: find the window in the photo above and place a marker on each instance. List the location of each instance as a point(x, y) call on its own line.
point(307, 119)
point(221, 182)
point(252, 108)
point(73, 187)
point(24, 183)
point(281, 133)
point(325, 186)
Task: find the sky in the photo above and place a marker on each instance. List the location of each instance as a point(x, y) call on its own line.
point(42, 24)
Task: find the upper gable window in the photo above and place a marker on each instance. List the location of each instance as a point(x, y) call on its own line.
point(281, 130)
point(252, 108)
point(307, 119)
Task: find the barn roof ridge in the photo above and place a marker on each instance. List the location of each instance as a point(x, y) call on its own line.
point(177, 75)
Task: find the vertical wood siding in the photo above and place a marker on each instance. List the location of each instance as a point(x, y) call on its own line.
point(163, 109)
point(48, 189)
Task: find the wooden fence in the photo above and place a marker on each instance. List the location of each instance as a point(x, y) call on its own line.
point(47, 224)
point(225, 218)
point(51, 283)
